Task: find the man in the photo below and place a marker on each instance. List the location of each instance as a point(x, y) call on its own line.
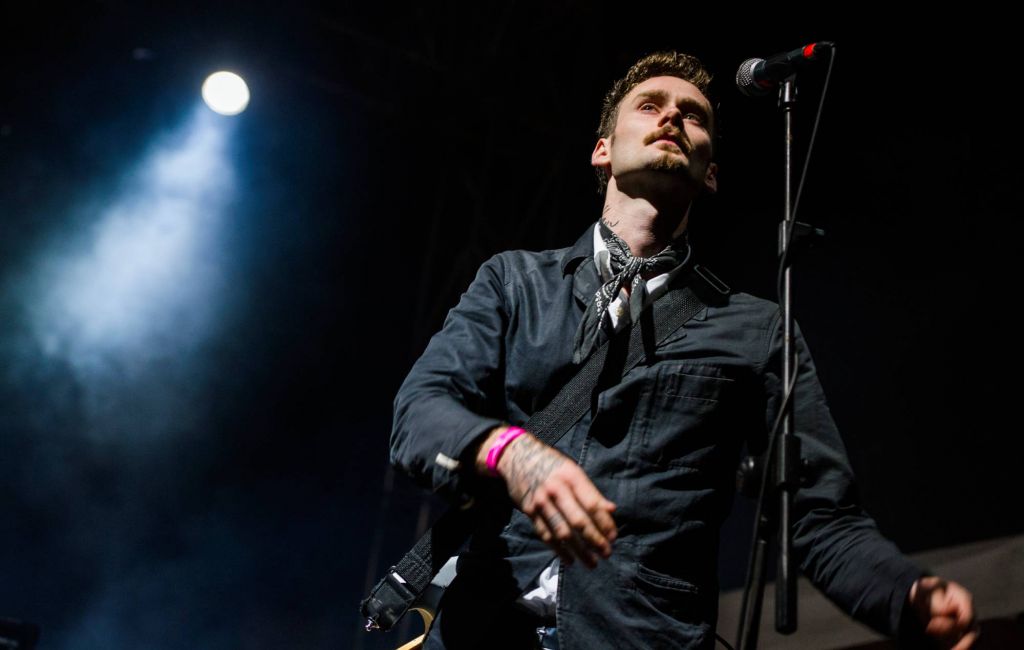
point(630, 500)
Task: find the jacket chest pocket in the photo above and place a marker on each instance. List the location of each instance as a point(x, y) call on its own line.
point(684, 414)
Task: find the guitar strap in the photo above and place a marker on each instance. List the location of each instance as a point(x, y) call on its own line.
point(405, 581)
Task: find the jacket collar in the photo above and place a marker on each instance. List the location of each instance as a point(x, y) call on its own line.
point(579, 260)
point(581, 250)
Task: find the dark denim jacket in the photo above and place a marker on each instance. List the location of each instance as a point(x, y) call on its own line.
point(663, 444)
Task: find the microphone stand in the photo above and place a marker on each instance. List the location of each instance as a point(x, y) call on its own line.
point(784, 457)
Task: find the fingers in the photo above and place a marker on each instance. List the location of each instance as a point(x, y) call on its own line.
point(944, 597)
point(961, 603)
point(574, 528)
point(582, 522)
point(567, 538)
point(930, 582)
point(545, 534)
point(942, 627)
point(962, 606)
point(950, 633)
point(598, 508)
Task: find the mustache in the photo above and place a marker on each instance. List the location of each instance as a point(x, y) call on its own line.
point(674, 134)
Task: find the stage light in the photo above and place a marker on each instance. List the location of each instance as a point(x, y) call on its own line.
point(225, 93)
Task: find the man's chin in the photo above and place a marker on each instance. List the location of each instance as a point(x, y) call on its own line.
point(662, 177)
point(670, 169)
point(670, 165)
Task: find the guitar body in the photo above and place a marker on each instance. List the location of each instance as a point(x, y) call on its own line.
point(428, 620)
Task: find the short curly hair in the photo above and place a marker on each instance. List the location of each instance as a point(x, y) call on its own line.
point(659, 64)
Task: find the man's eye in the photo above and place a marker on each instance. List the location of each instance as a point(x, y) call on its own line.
point(695, 117)
point(648, 106)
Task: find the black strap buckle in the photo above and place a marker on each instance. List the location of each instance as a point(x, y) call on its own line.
point(387, 603)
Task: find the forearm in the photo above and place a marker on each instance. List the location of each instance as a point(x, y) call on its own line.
point(839, 546)
point(454, 393)
point(865, 574)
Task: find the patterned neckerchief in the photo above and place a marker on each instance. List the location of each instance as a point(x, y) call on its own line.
point(627, 270)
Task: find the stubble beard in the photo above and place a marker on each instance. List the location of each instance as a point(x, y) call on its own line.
point(668, 163)
point(673, 165)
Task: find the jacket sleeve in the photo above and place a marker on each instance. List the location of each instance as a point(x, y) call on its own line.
point(453, 394)
point(838, 545)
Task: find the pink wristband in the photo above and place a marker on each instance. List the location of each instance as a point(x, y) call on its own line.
point(494, 453)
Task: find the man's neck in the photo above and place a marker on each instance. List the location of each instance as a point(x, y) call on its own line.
point(643, 224)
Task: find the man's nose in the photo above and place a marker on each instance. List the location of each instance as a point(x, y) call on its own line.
point(672, 115)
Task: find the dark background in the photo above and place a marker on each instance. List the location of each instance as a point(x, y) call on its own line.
point(204, 462)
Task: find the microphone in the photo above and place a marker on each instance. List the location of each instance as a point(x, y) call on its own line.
point(759, 76)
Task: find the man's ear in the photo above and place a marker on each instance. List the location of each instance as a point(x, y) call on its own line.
point(711, 178)
point(601, 156)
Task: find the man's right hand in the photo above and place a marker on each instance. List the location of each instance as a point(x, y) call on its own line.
point(568, 512)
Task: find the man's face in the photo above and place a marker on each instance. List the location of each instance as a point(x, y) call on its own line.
point(662, 135)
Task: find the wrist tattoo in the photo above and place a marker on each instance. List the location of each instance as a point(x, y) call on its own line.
point(532, 463)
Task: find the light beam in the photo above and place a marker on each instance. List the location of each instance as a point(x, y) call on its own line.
point(129, 299)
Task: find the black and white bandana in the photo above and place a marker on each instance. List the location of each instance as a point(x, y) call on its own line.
point(626, 270)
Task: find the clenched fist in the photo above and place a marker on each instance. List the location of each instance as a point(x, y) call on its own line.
point(947, 611)
point(568, 512)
